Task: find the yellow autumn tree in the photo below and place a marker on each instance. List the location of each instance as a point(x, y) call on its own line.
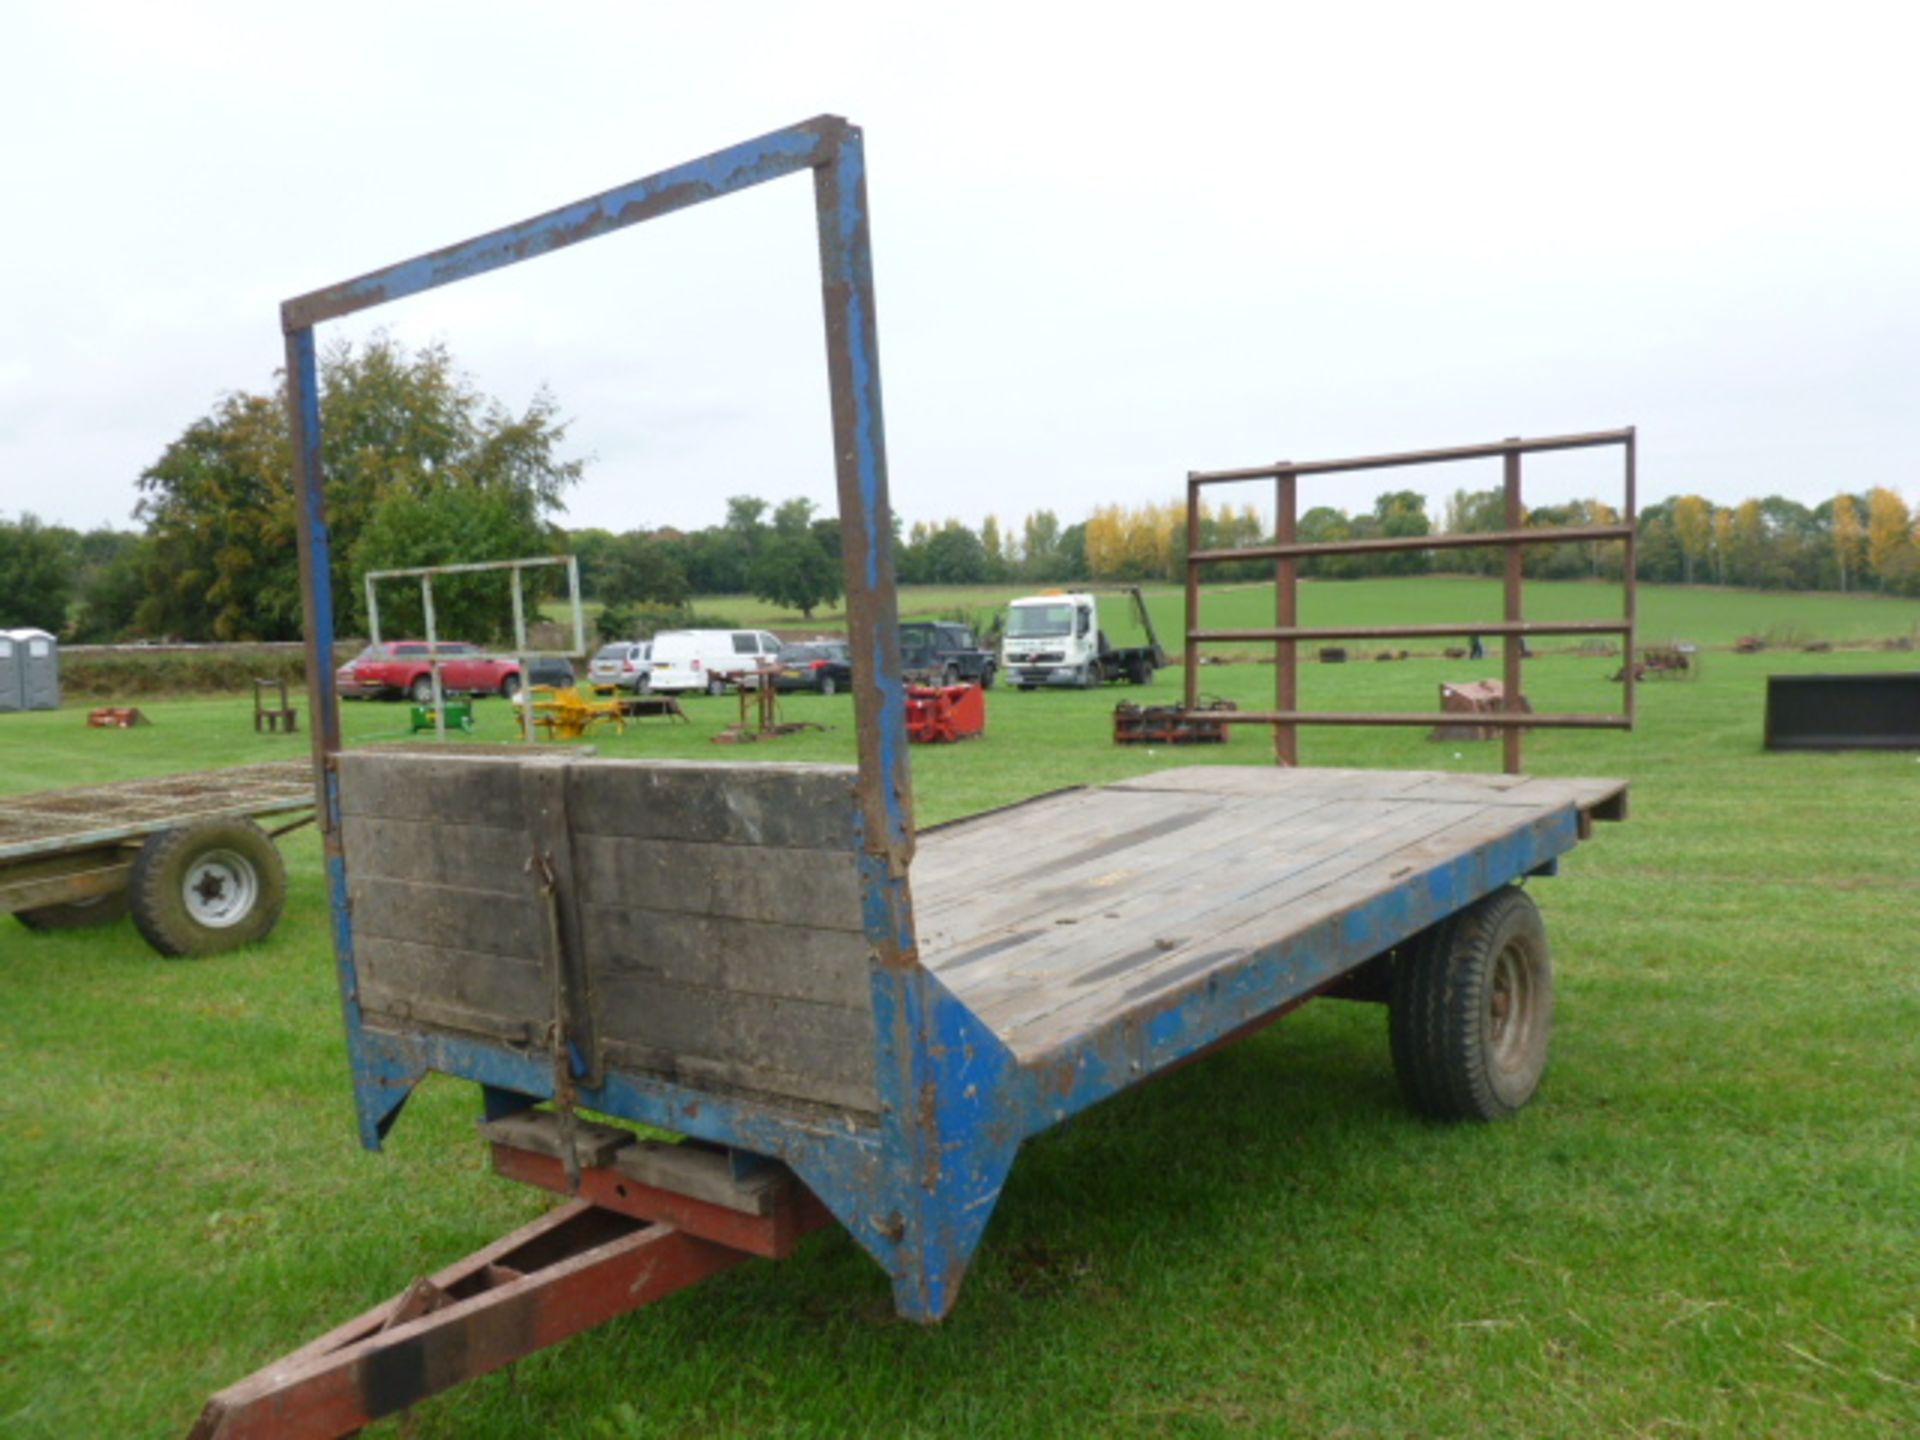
point(1888, 533)
point(1106, 541)
point(1135, 544)
point(1722, 544)
point(1693, 526)
point(1849, 536)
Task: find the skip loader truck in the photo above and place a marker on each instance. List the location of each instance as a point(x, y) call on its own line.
point(1057, 639)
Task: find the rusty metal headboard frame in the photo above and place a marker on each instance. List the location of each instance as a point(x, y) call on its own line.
point(1513, 628)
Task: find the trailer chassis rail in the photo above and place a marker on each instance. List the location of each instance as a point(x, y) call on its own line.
point(621, 1245)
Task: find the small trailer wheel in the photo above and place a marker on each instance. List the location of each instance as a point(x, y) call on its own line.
point(207, 887)
point(76, 914)
point(1471, 1011)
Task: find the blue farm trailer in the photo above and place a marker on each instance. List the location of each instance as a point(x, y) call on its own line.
point(843, 1019)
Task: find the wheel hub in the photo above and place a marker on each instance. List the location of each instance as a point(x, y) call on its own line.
point(1509, 1008)
point(219, 889)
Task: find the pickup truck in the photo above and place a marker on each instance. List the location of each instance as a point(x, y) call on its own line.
point(942, 652)
point(403, 668)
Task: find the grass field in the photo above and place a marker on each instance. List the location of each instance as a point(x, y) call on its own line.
point(1701, 614)
point(1709, 1222)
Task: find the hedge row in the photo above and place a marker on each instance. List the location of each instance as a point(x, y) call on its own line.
point(110, 675)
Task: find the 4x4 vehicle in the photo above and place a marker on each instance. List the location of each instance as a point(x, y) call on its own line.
point(942, 652)
point(626, 663)
point(822, 665)
point(399, 669)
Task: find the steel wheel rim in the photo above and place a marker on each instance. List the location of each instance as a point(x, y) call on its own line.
point(220, 889)
point(1511, 1008)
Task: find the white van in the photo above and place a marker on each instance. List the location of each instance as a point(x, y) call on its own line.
point(710, 660)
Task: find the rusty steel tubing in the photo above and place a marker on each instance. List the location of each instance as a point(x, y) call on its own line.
point(1191, 667)
point(1630, 561)
point(1494, 719)
point(1513, 579)
point(1389, 632)
point(1450, 540)
point(1286, 616)
point(1419, 457)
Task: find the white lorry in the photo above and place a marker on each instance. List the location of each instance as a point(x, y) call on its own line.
point(1057, 640)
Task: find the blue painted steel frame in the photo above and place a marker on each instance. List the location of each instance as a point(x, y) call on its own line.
point(915, 1184)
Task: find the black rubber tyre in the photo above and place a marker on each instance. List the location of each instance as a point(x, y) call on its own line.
point(827, 685)
point(1471, 1012)
point(1139, 672)
point(1093, 677)
point(986, 677)
point(207, 887)
point(76, 914)
point(421, 691)
point(509, 687)
point(950, 676)
point(716, 686)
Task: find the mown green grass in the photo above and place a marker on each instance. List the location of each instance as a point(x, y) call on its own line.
point(1700, 614)
point(1709, 1223)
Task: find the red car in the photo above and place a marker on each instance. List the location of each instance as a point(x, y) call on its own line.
point(403, 668)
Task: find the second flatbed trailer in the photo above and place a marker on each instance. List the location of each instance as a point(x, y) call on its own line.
point(183, 853)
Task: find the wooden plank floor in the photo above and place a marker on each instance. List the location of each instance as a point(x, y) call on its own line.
point(44, 819)
point(1052, 918)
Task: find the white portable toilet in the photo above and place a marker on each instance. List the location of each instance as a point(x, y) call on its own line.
point(37, 656)
point(13, 677)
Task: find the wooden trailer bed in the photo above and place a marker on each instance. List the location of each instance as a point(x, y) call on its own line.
point(52, 821)
point(1068, 913)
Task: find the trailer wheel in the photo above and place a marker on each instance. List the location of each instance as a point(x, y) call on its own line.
point(76, 914)
point(208, 887)
point(1471, 1010)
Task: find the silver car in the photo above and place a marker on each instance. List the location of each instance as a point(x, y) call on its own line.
point(626, 663)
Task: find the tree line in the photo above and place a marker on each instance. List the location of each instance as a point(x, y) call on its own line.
point(423, 469)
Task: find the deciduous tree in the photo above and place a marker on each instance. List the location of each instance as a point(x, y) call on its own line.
point(36, 576)
point(396, 425)
point(1693, 524)
point(1849, 537)
point(1888, 527)
point(791, 566)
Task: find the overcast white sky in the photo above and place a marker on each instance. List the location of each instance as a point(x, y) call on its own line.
point(1113, 243)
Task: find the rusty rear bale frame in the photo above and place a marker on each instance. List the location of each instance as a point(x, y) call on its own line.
point(1288, 551)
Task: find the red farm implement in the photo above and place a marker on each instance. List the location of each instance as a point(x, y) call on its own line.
point(939, 713)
